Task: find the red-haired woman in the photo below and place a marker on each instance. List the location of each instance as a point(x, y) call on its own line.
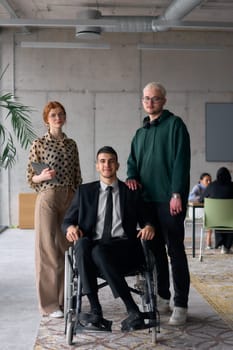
point(54, 172)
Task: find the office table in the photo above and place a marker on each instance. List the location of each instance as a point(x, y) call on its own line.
point(194, 206)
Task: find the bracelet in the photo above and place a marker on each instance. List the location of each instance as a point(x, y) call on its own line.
point(176, 195)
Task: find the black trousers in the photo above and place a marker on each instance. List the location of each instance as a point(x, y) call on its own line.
point(223, 238)
point(112, 261)
point(170, 233)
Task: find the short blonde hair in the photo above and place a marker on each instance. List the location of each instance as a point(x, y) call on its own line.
point(156, 86)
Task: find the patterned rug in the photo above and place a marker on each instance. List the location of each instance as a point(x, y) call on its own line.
point(213, 278)
point(51, 333)
point(205, 329)
point(201, 333)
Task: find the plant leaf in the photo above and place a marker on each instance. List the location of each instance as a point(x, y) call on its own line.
point(21, 124)
point(8, 156)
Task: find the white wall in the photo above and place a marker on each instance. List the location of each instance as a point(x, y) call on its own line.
point(101, 91)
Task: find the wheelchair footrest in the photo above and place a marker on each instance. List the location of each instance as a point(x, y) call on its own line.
point(92, 322)
point(152, 318)
point(149, 315)
point(138, 321)
point(129, 328)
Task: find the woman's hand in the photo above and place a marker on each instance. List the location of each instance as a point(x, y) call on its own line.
point(46, 175)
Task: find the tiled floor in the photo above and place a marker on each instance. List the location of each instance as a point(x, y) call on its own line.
point(19, 318)
point(20, 321)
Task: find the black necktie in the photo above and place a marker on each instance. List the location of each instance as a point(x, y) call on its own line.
point(108, 216)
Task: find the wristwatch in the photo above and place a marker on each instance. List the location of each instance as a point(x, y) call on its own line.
point(175, 195)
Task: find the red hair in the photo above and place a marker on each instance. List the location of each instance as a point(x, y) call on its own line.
point(52, 105)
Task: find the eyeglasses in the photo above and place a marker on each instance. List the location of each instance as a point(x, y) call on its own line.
point(154, 99)
point(59, 115)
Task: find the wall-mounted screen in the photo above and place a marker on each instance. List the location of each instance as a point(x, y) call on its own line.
point(219, 132)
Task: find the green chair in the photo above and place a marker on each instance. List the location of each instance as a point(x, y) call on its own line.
point(218, 215)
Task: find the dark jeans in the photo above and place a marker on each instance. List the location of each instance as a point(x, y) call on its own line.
point(170, 232)
point(112, 261)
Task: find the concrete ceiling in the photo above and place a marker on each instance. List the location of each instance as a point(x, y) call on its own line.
point(118, 15)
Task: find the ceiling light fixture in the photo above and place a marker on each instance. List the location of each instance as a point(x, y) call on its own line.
point(161, 47)
point(88, 32)
point(63, 45)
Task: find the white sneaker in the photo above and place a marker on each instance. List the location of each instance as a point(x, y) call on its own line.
point(57, 314)
point(223, 250)
point(178, 317)
point(163, 305)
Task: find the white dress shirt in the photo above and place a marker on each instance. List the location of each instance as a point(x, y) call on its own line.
point(117, 229)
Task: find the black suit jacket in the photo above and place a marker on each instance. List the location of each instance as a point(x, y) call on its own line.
point(84, 206)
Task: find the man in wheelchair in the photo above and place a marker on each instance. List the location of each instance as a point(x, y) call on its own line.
point(103, 222)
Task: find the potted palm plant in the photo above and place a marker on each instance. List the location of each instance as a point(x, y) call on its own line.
point(20, 128)
point(15, 125)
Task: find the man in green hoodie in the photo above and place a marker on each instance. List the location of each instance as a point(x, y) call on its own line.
point(159, 162)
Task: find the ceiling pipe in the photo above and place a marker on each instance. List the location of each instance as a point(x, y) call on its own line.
point(122, 24)
point(141, 24)
point(135, 24)
point(11, 12)
point(112, 25)
point(177, 10)
point(8, 8)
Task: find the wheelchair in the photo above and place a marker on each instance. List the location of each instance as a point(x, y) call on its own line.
point(145, 287)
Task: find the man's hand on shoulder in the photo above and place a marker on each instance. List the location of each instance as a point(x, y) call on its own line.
point(133, 184)
point(147, 233)
point(73, 233)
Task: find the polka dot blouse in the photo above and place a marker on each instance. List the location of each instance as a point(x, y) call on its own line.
point(60, 155)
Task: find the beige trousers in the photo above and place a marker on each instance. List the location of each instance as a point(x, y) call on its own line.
point(50, 247)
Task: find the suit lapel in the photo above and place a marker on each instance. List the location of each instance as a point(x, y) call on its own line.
point(122, 193)
point(96, 192)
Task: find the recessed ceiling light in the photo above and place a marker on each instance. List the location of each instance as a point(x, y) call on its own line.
point(88, 33)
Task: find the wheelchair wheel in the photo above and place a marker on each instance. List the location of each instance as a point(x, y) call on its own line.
point(154, 286)
point(70, 333)
point(149, 301)
point(153, 306)
point(68, 285)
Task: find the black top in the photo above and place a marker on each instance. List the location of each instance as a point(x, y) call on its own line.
point(221, 188)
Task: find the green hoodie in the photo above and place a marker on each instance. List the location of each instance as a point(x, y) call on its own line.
point(160, 158)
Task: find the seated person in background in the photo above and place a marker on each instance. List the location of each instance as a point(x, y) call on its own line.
point(115, 252)
point(198, 189)
point(221, 188)
point(194, 196)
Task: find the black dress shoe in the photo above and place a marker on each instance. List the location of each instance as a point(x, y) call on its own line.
point(133, 322)
point(91, 321)
point(97, 312)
